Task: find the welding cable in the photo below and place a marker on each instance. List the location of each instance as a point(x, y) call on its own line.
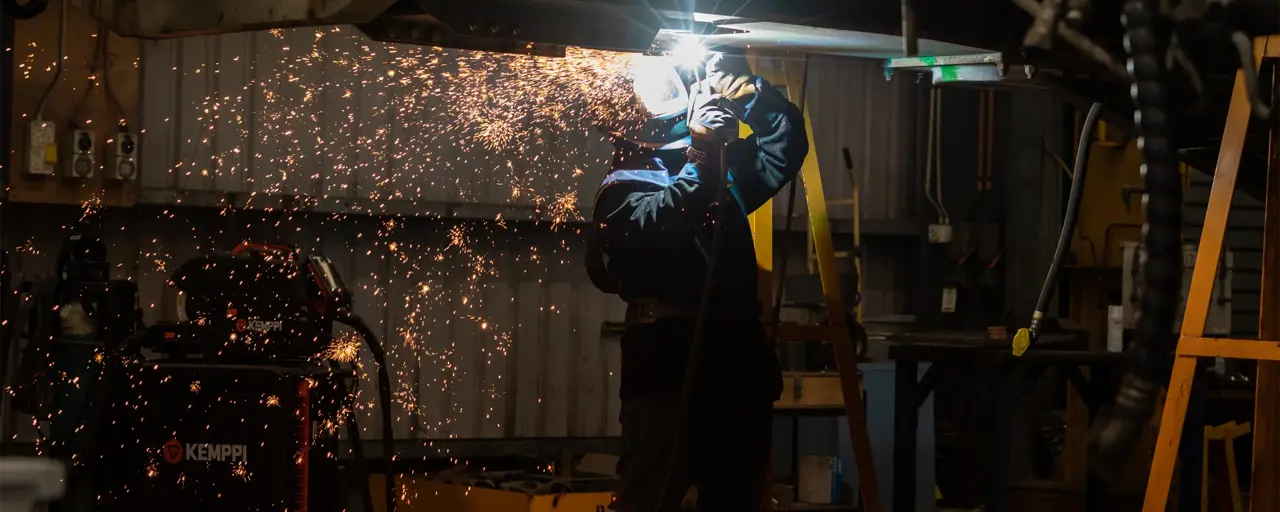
point(384, 395)
point(360, 465)
point(699, 328)
point(1117, 430)
point(25, 11)
point(1026, 338)
point(62, 56)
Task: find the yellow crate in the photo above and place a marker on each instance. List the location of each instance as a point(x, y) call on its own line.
point(418, 494)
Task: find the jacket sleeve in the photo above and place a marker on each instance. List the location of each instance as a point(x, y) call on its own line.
point(647, 214)
point(766, 161)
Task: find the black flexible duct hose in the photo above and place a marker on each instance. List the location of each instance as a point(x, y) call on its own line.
point(699, 328)
point(384, 395)
point(1068, 223)
point(24, 11)
point(1116, 432)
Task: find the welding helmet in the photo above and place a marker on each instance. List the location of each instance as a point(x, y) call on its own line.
point(662, 90)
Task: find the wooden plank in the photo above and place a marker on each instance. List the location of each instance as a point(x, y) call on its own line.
point(35, 48)
point(1172, 419)
point(558, 361)
point(528, 354)
point(1229, 348)
point(1266, 440)
point(810, 390)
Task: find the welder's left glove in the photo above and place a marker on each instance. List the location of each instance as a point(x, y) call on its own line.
point(712, 118)
point(730, 76)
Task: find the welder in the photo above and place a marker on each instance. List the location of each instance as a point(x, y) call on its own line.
point(652, 244)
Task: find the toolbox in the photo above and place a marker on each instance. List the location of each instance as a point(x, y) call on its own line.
point(422, 494)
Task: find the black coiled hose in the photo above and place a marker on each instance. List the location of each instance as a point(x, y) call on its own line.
point(1117, 431)
point(384, 396)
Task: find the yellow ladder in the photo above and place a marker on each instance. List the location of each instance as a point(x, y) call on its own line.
point(789, 70)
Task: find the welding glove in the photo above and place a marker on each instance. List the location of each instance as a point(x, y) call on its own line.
point(730, 76)
point(711, 117)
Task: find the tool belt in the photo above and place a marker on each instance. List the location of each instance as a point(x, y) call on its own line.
point(647, 311)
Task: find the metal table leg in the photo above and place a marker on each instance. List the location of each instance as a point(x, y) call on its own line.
point(998, 447)
point(906, 422)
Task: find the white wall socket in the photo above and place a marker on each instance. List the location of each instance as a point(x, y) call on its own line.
point(939, 233)
point(42, 148)
point(123, 157)
point(79, 149)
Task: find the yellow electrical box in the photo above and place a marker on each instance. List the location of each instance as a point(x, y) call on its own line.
point(420, 494)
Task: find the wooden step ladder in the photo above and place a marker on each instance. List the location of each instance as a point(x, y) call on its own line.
point(788, 70)
point(1192, 344)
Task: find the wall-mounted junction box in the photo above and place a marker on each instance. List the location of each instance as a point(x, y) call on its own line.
point(42, 148)
point(1218, 321)
point(122, 160)
point(78, 161)
point(939, 233)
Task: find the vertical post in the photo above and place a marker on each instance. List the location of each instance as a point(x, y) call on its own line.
point(1266, 431)
point(906, 422)
point(910, 43)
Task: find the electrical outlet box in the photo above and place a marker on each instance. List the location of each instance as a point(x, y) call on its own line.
point(78, 161)
point(123, 158)
point(42, 148)
point(939, 233)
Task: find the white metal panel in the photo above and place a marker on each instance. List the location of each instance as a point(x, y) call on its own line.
point(326, 112)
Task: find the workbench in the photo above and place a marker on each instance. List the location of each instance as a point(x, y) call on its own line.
point(1011, 380)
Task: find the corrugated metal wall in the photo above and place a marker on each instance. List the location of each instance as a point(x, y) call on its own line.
point(499, 336)
point(327, 112)
point(1243, 238)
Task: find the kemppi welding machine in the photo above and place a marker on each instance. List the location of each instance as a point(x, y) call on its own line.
point(236, 406)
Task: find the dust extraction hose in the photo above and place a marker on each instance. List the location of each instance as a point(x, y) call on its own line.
point(1116, 432)
point(1027, 339)
point(384, 395)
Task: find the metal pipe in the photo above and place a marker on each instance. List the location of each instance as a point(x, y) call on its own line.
point(910, 42)
point(1078, 40)
point(1039, 37)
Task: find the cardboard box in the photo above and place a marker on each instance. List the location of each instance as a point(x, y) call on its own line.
point(418, 494)
point(821, 480)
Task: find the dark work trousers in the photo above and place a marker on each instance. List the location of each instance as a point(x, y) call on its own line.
point(724, 454)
